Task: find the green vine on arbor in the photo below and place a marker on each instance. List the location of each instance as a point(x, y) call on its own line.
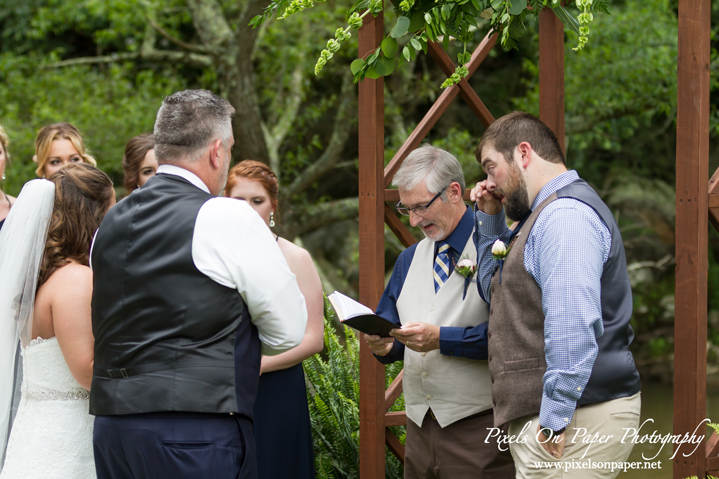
point(421, 21)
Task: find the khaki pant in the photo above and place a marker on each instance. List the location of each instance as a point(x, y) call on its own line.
point(457, 451)
point(581, 456)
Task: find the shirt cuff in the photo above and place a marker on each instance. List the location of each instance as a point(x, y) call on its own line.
point(490, 225)
point(394, 354)
point(450, 341)
point(554, 414)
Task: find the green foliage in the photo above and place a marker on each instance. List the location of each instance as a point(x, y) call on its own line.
point(421, 21)
point(333, 396)
point(109, 107)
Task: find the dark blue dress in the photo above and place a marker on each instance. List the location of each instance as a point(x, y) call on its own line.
point(282, 426)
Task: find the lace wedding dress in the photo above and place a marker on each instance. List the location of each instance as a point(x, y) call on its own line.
point(51, 436)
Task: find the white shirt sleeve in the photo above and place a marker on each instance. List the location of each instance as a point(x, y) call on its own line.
point(234, 247)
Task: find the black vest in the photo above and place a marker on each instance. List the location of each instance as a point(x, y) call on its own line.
point(167, 337)
point(614, 374)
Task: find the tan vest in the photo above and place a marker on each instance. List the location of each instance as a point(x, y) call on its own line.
point(516, 334)
point(453, 387)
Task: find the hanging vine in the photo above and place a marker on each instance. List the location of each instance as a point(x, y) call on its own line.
point(421, 21)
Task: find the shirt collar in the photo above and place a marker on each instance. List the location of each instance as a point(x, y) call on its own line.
point(554, 185)
point(183, 173)
point(457, 239)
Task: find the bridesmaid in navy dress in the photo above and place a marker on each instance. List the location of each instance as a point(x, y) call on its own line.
point(282, 422)
point(6, 201)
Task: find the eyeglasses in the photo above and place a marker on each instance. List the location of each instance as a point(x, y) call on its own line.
point(419, 210)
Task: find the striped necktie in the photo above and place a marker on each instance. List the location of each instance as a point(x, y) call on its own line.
point(441, 266)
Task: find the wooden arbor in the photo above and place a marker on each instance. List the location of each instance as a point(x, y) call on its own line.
point(374, 212)
point(695, 194)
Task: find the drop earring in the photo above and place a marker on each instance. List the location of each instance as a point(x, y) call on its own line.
point(272, 219)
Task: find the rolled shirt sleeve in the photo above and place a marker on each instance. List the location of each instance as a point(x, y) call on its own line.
point(234, 247)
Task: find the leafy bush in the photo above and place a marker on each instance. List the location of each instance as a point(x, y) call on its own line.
point(333, 396)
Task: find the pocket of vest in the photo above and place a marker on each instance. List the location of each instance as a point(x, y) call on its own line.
point(531, 363)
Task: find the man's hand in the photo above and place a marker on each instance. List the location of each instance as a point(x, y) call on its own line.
point(486, 200)
point(379, 345)
point(554, 446)
point(420, 337)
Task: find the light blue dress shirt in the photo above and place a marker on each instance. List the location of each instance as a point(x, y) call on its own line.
point(565, 254)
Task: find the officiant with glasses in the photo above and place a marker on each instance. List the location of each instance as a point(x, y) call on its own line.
point(441, 329)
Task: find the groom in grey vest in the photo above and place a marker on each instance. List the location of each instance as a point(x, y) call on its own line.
point(188, 289)
point(563, 377)
point(441, 330)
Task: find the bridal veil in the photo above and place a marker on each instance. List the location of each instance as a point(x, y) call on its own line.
point(22, 244)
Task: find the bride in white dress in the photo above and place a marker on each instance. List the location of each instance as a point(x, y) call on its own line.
point(45, 295)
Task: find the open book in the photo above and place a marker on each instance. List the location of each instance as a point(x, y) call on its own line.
point(359, 316)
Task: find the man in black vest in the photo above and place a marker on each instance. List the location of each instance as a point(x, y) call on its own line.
point(563, 377)
point(189, 291)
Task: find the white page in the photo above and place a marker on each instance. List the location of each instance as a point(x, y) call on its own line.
point(348, 307)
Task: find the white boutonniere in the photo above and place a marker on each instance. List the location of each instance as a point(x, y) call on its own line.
point(500, 252)
point(467, 268)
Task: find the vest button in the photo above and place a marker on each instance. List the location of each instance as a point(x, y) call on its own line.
point(491, 310)
point(424, 353)
point(492, 380)
point(424, 374)
point(431, 310)
point(490, 357)
point(494, 403)
point(489, 335)
point(428, 397)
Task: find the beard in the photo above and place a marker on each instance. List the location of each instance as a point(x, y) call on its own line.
point(439, 234)
point(516, 197)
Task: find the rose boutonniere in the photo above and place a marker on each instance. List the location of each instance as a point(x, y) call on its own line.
point(500, 251)
point(467, 268)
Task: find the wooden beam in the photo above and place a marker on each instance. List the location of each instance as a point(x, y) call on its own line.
point(465, 90)
point(551, 73)
point(395, 418)
point(401, 232)
point(712, 448)
point(692, 198)
point(371, 251)
point(713, 466)
point(436, 111)
point(396, 447)
point(393, 391)
point(714, 200)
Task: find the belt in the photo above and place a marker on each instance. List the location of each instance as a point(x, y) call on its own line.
point(486, 412)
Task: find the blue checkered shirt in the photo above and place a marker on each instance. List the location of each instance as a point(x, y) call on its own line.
point(565, 254)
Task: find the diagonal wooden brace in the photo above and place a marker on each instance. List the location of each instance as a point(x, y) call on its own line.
point(439, 107)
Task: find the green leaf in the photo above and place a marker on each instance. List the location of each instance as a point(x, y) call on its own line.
point(416, 21)
point(446, 9)
point(445, 42)
point(374, 56)
point(385, 66)
point(505, 17)
point(567, 19)
point(470, 9)
point(405, 53)
point(389, 47)
point(372, 73)
point(400, 28)
point(496, 4)
point(356, 66)
point(518, 6)
point(477, 5)
point(472, 21)
point(428, 18)
point(416, 44)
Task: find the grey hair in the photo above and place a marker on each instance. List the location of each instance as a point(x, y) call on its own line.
point(438, 169)
point(188, 121)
